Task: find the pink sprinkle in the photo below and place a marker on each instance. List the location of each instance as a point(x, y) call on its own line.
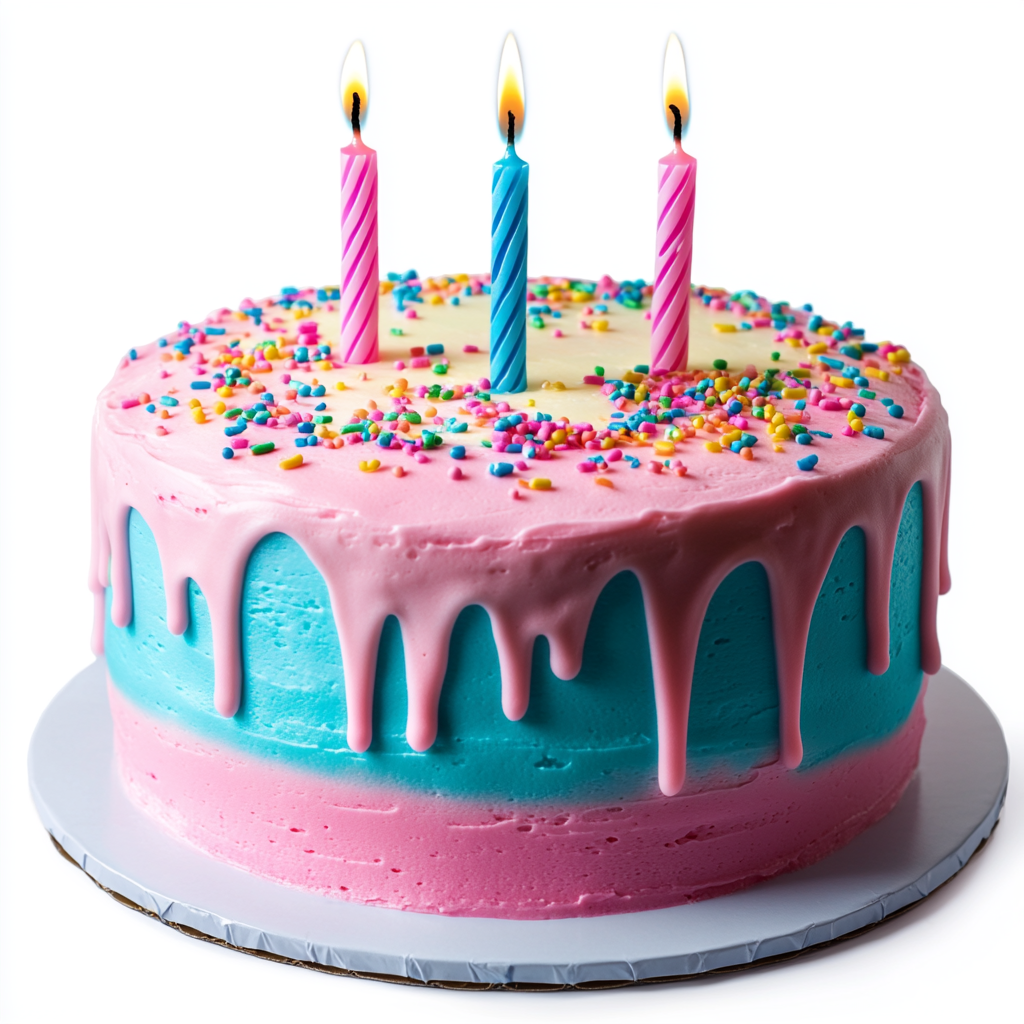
point(521, 465)
point(829, 405)
point(814, 396)
point(647, 315)
point(286, 378)
point(272, 421)
point(586, 466)
point(410, 314)
point(399, 364)
point(557, 333)
point(514, 494)
point(164, 375)
point(239, 442)
point(591, 378)
point(484, 384)
point(129, 403)
point(503, 407)
point(654, 467)
point(420, 457)
point(614, 455)
point(585, 324)
point(290, 364)
point(849, 431)
point(160, 432)
point(455, 473)
point(470, 348)
point(419, 362)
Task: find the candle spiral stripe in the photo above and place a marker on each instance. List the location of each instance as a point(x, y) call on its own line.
point(509, 200)
point(670, 305)
point(359, 268)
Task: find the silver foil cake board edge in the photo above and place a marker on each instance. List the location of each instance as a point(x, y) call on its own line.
point(948, 811)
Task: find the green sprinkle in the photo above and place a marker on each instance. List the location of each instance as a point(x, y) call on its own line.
point(323, 419)
point(439, 368)
point(537, 321)
point(232, 413)
point(721, 364)
point(864, 393)
point(447, 395)
point(486, 444)
point(776, 356)
point(262, 449)
point(397, 331)
point(411, 416)
point(599, 370)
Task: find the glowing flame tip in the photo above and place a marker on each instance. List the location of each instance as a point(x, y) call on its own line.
point(355, 81)
point(511, 92)
point(675, 87)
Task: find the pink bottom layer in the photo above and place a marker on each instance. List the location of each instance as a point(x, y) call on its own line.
point(417, 852)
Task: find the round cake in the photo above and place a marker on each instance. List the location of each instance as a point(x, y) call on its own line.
point(621, 641)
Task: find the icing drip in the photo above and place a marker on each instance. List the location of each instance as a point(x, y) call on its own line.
point(543, 579)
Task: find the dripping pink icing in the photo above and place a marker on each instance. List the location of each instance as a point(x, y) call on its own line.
point(420, 549)
point(428, 853)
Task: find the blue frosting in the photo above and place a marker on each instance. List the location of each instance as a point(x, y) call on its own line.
point(591, 737)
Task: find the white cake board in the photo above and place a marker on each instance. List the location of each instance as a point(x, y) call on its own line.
point(947, 812)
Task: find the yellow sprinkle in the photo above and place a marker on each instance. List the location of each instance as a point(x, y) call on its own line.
point(603, 481)
point(721, 383)
point(732, 435)
point(608, 442)
point(558, 386)
point(531, 402)
point(373, 428)
point(198, 415)
point(292, 462)
point(794, 392)
point(817, 348)
point(641, 394)
point(220, 408)
point(870, 371)
point(632, 377)
point(540, 483)
point(779, 447)
point(325, 364)
point(712, 446)
point(559, 437)
point(549, 444)
point(600, 325)
point(698, 421)
point(194, 403)
point(224, 392)
point(249, 361)
point(778, 419)
point(581, 296)
point(664, 447)
point(783, 433)
point(842, 382)
point(725, 328)
point(826, 330)
point(340, 385)
point(901, 355)
point(270, 352)
point(769, 410)
point(436, 300)
point(398, 471)
point(857, 423)
point(370, 467)
point(794, 342)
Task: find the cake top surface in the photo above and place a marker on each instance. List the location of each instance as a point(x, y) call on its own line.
point(417, 437)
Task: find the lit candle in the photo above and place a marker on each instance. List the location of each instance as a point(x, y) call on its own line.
point(509, 196)
point(677, 180)
point(360, 275)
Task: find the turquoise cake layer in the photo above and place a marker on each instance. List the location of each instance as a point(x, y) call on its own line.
point(594, 736)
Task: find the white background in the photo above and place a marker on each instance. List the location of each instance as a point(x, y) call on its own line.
point(159, 160)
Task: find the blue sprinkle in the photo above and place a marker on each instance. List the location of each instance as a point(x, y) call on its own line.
point(858, 410)
point(458, 452)
point(460, 428)
point(151, 407)
point(896, 411)
point(861, 382)
point(303, 390)
point(132, 354)
point(556, 314)
point(514, 449)
point(808, 461)
point(305, 428)
point(820, 433)
point(876, 432)
point(215, 330)
point(300, 442)
point(886, 401)
point(162, 343)
point(801, 404)
point(318, 391)
point(435, 350)
point(259, 407)
point(167, 400)
point(500, 468)
point(312, 441)
point(454, 301)
point(803, 438)
point(228, 453)
point(836, 364)
point(634, 463)
point(320, 407)
point(235, 428)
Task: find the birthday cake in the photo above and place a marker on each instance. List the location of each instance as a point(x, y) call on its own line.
point(624, 640)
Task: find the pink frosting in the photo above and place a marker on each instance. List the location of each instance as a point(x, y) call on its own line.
point(423, 547)
point(402, 850)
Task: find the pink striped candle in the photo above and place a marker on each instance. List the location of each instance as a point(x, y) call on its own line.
point(677, 181)
point(670, 305)
point(360, 273)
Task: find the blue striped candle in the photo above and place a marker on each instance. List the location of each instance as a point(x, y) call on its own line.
point(509, 196)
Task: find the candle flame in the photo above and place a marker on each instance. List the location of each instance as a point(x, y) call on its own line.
point(511, 93)
point(675, 88)
point(355, 80)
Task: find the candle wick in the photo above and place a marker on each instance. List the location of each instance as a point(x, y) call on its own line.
point(677, 127)
point(355, 115)
point(511, 128)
